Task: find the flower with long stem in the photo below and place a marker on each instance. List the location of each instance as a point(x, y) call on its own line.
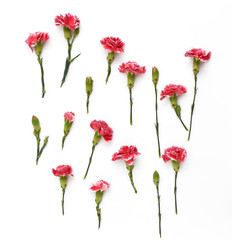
point(99, 187)
point(113, 45)
point(101, 129)
point(127, 154)
point(199, 55)
point(89, 89)
point(172, 91)
point(131, 68)
point(71, 29)
point(63, 171)
point(155, 78)
point(37, 129)
point(36, 40)
point(156, 182)
point(176, 155)
point(68, 121)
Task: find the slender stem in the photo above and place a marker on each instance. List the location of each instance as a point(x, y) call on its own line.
point(99, 215)
point(157, 123)
point(183, 123)
point(63, 192)
point(38, 146)
point(40, 60)
point(63, 140)
point(131, 103)
point(193, 104)
point(159, 214)
point(175, 190)
point(90, 160)
point(87, 103)
point(131, 179)
point(109, 71)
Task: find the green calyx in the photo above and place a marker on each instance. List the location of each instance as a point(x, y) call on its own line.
point(196, 65)
point(38, 48)
point(99, 195)
point(76, 32)
point(96, 138)
point(63, 181)
point(173, 100)
point(155, 75)
point(67, 33)
point(89, 85)
point(36, 124)
point(176, 165)
point(129, 167)
point(67, 127)
point(130, 80)
point(110, 57)
point(156, 178)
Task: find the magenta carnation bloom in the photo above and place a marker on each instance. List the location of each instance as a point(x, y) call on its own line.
point(127, 154)
point(174, 153)
point(69, 116)
point(34, 38)
point(100, 186)
point(199, 54)
point(131, 67)
point(103, 129)
point(70, 21)
point(172, 89)
point(113, 44)
point(68, 121)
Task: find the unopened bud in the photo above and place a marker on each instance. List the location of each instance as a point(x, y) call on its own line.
point(155, 75)
point(36, 124)
point(156, 178)
point(89, 85)
point(76, 31)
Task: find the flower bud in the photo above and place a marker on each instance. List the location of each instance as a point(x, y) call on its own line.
point(155, 75)
point(38, 48)
point(156, 178)
point(76, 31)
point(89, 85)
point(36, 124)
point(110, 57)
point(67, 33)
point(196, 65)
point(63, 181)
point(176, 165)
point(130, 80)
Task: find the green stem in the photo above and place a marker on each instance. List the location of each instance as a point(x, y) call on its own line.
point(157, 123)
point(38, 146)
point(175, 190)
point(193, 105)
point(109, 71)
point(99, 215)
point(131, 103)
point(40, 60)
point(131, 179)
point(159, 214)
point(63, 140)
point(183, 123)
point(87, 103)
point(63, 192)
point(90, 160)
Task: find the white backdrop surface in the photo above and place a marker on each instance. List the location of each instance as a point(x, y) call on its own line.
point(155, 33)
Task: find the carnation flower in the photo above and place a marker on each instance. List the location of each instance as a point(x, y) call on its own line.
point(199, 54)
point(101, 128)
point(99, 187)
point(70, 21)
point(172, 91)
point(176, 155)
point(69, 116)
point(63, 171)
point(131, 68)
point(127, 154)
point(68, 121)
point(36, 40)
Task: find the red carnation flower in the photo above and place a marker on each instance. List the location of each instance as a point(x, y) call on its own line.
point(70, 21)
point(172, 89)
point(69, 116)
point(132, 67)
point(199, 54)
point(34, 38)
point(127, 154)
point(103, 129)
point(174, 153)
point(100, 186)
point(62, 170)
point(113, 44)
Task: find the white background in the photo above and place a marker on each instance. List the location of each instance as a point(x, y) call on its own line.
point(155, 33)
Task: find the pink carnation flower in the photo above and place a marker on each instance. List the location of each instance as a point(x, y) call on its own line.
point(113, 44)
point(174, 153)
point(62, 170)
point(69, 116)
point(132, 67)
point(199, 54)
point(170, 89)
point(70, 21)
point(100, 186)
point(127, 154)
point(34, 38)
point(103, 129)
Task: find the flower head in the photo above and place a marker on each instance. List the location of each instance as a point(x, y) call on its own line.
point(69, 116)
point(174, 153)
point(62, 170)
point(131, 67)
point(70, 21)
point(127, 154)
point(199, 54)
point(113, 44)
point(172, 89)
point(34, 38)
point(100, 186)
point(103, 129)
